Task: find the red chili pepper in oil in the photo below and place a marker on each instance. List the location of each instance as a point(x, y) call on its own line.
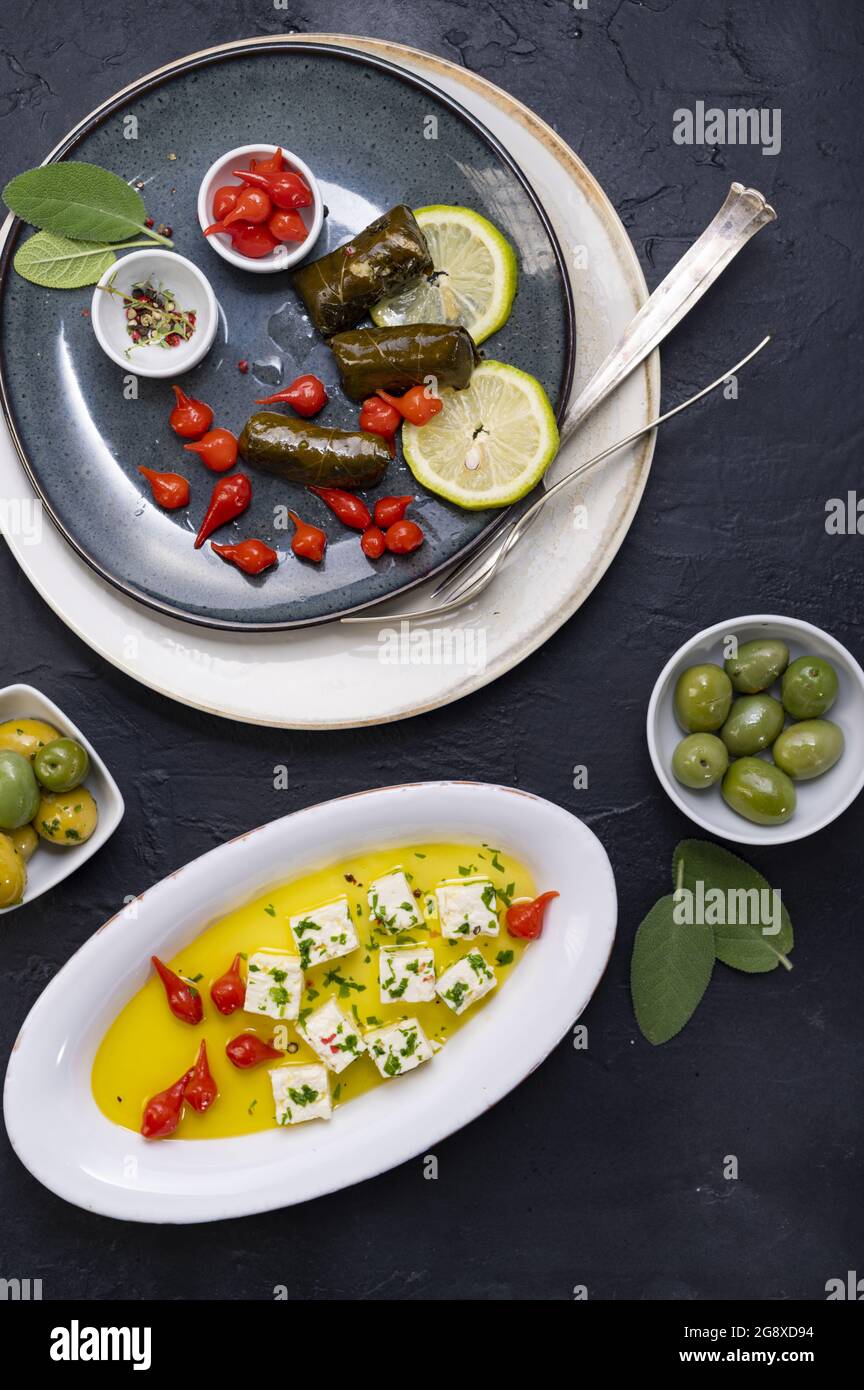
point(247, 1050)
point(350, 510)
point(170, 490)
point(526, 919)
point(229, 992)
point(252, 556)
point(306, 394)
point(163, 1112)
point(229, 499)
point(390, 509)
point(189, 418)
point(201, 1089)
point(309, 542)
point(184, 1001)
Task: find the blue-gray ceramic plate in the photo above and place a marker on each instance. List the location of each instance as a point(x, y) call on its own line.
point(83, 427)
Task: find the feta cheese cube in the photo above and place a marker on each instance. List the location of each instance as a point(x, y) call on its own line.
point(467, 907)
point(274, 983)
point(466, 981)
point(301, 1093)
point(324, 934)
point(333, 1035)
point(392, 904)
point(398, 1047)
point(408, 973)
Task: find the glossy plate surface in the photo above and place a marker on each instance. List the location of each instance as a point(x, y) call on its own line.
point(364, 127)
point(104, 1168)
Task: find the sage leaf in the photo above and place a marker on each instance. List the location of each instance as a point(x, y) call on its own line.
point(669, 972)
point(77, 200)
point(62, 264)
point(753, 945)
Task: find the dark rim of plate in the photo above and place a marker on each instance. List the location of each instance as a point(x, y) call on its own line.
point(167, 74)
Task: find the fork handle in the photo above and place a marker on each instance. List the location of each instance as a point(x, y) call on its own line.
point(741, 216)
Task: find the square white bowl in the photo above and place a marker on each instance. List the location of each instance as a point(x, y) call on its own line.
point(821, 800)
point(50, 864)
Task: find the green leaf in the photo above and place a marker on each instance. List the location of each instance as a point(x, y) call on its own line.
point(742, 945)
point(669, 971)
point(61, 264)
point(77, 200)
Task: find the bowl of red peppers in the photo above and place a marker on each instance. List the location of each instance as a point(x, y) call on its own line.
point(260, 208)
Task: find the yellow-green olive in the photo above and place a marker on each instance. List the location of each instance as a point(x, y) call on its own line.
point(67, 818)
point(759, 791)
point(25, 841)
point(13, 873)
point(699, 761)
point(754, 722)
point(26, 736)
point(703, 695)
point(808, 749)
point(809, 687)
point(758, 664)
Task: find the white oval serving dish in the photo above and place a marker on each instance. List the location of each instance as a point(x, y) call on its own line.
point(107, 1169)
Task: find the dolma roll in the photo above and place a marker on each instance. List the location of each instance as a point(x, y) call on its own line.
point(302, 452)
point(394, 359)
point(340, 288)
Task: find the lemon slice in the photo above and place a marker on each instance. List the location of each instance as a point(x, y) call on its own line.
point(490, 444)
point(474, 280)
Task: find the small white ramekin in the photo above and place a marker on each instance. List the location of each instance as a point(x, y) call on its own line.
point(192, 290)
point(287, 253)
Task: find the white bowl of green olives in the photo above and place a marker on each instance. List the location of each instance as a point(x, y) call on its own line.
point(58, 801)
point(756, 729)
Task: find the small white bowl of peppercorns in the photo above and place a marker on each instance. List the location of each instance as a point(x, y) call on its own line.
point(154, 313)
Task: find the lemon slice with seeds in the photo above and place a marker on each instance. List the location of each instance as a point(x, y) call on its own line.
point(473, 282)
point(491, 442)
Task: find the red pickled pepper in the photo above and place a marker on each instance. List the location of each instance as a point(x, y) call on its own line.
point(251, 556)
point(308, 542)
point(526, 919)
point(224, 199)
point(287, 225)
point(189, 418)
point(373, 543)
point(273, 164)
point(184, 1001)
point(403, 537)
point(229, 499)
point(163, 1112)
point(418, 406)
point(287, 189)
point(377, 417)
point(247, 1050)
point(350, 510)
point(390, 509)
point(217, 449)
point(170, 490)
point(306, 394)
point(201, 1090)
point(229, 992)
point(252, 240)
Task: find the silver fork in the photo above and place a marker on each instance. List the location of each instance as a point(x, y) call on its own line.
point(743, 213)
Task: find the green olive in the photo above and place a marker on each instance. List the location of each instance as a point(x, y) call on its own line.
point(61, 765)
point(759, 791)
point(703, 695)
point(754, 722)
point(19, 792)
point(25, 841)
point(809, 687)
point(13, 873)
point(758, 665)
point(67, 818)
point(700, 760)
point(808, 749)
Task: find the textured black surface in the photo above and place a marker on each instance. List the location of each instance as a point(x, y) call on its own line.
point(604, 1168)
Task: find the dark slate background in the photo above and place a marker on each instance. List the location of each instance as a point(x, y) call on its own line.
point(605, 1167)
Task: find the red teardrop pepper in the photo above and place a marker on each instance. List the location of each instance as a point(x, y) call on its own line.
point(417, 406)
point(306, 394)
point(229, 499)
point(169, 490)
point(163, 1112)
point(252, 205)
point(273, 164)
point(218, 449)
point(201, 1089)
point(287, 225)
point(252, 239)
point(390, 509)
point(252, 556)
point(526, 919)
point(377, 417)
point(224, 199)
point(350, 510)
point(247, 1050)
point(309, 542)
point(287, 189)
point(373, 543)
point(403, 537)
point(184, 1001)
point(189, 418)
point(229, 992)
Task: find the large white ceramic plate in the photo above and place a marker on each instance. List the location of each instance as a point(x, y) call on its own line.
point(105, 1168)
point(335, 676)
